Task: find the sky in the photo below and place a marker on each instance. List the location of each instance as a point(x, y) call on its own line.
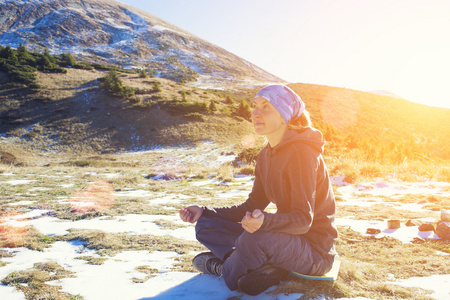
point(398, 46)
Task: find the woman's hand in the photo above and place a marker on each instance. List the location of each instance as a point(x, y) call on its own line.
point(252, 221)
point(191, 213)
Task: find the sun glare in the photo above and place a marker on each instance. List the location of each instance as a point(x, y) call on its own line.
point(98, 196)
point(248, 141)
point(12, 236)
point(337, 104)
point(424, 77)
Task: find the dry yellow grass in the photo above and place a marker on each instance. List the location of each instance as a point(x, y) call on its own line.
point(367, 262)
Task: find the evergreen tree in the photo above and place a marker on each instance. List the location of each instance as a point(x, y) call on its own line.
point(43, 62)
point(68, 60)
point(8, 53)
point(244, 110)
point(112, 82)
point(48, 56)
point(22, 53)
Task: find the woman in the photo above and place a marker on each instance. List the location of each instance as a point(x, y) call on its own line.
point(253, 249)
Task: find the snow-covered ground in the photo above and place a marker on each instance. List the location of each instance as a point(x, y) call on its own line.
point(113, 279)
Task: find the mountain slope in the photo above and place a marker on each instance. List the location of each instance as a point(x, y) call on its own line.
point(73, 112)
point(112, 32)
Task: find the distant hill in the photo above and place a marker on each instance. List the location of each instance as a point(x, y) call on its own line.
point(384, 93)
point(380, 126)
point(110, 32)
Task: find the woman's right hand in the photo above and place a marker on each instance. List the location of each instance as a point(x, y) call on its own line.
point(191, 213)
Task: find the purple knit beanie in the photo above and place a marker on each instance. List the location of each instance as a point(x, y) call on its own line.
point(285, 100)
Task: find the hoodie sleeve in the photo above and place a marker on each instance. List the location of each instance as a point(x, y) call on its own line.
point(297, 191)
point(256, 199)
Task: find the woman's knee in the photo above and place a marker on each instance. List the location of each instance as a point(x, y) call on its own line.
point(204, 224)
point(251, 240)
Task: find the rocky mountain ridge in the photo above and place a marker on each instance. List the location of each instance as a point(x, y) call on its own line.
point(112, 32)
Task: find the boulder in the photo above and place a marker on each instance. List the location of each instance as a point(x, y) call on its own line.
point(373, 231)
point(393, 224)
point(443, 230)
point(413, 223)
point(445, 215)
point(426, 227)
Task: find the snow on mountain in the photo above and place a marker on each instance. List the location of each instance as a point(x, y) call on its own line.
point(112, 32)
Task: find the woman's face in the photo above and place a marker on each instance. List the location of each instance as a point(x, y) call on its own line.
point(265, 117)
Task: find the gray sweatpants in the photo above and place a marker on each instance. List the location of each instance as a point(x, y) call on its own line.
point(252, 250)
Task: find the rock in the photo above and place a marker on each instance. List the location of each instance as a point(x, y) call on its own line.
point(413, 223)
point(393, 224)
point(445, 215)
point(426, 227)
point(352, 241)
point(373, 231)
point(443, 230)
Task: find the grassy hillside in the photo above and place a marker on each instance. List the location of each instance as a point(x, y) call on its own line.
point(74, 109)
point(380, 127)
point(97, 109)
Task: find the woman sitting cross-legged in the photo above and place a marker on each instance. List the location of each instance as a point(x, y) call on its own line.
point(251, 248)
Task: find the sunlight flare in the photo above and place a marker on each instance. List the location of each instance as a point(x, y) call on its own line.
point(98, 196)
point(340, 109)
point(248, 141)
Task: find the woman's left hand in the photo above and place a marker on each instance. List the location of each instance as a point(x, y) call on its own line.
point(252, 221)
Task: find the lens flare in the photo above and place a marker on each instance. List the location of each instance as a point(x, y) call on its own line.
point(248, 141)
point(168, 167)
point(340, 109)
point(11, 236)
point(97, 197)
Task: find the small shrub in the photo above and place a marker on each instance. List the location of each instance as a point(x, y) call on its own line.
point(67, 60)
point(244, 110)
point(229, 100)
point(84, 66)
point(135, 99)
point(142, 74)
point(371, 170)
point(142, 105)
point(195, 117)
point(112, 83)
point(351, 177)
point(226, 111)
point(156, 87)
point(212, 106)
point(34, 87)
point(179, 107)
point(82, 163)
point(183, 95)
point(247, 170)
point(225, 172)
point(247, 156)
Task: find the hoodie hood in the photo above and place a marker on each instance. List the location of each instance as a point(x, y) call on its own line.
point(307, 135)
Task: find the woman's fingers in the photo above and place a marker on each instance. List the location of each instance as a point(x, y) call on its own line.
point(256, 213)
point(185, 215)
